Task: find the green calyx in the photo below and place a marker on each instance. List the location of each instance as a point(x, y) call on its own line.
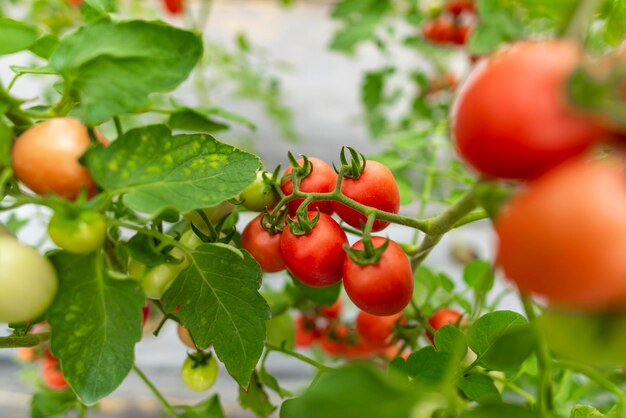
point(351, 169)
point(369, 254)
point(302, 225)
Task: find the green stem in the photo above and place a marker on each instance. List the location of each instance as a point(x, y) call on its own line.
point(319, 366)
point(118, 126)
point(545, 392)
point(30, 340)
point(594, 375)
point(580, 19)
point(155, 391)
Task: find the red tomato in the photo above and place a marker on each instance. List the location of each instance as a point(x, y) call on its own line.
point(457, 7)
point(322, 179)
point(460, 34)
point(316, 258)
point(333, 339)
point(263, 245)
point(376, 187)
point(564, 237)
point(441, 317)
point(438, 31)
point(376, 330)
point(333, 311)
point(384, 288)
point(145, 312)
point(52, 375)
point(306, 331)
point(75, 2)
point(45, 158)
point(511, 118)
point(361, 349)
point(175, 7)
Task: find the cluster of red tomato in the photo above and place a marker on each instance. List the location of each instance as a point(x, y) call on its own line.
point(563, 236)
point(453, 26)
point(317, 257)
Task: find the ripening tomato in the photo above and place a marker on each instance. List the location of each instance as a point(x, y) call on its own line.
point(79, 233)
point(333, 339)
point(185, 337)
point(321, 179)
point(45, 158)
point(259, 195)
point(384, 288)
point(199, 375)
point(360, 349)
point(564, 236)
point(457, 7)
point(438, 31)
point(306, 331)
point(315, 258)
point(28, 281)
point(263, 245)
point(376, 330)
point(145, 313)
point(52, 375)
point(175, 7)
point(333, 311)
point(376, 187)
point(441, 317)
point(460, 34)
point(511, 118)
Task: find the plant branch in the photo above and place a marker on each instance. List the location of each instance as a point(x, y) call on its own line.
point(319, 366)
point(155, 391)
point(30, 340)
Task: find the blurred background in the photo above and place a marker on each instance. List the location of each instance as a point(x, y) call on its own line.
point(308, 83)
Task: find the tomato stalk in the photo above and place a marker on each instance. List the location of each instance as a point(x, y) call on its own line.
point(168, 407)
point(28, 340)
point(580, 19)
point(593, 375)
point(319, 366)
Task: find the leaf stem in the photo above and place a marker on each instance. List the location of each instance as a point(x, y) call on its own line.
point(319, 366)
point(155, 391)
point(30, 340)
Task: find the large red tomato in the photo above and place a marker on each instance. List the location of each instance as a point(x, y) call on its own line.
point(564, 236)
point(45, 158)
point(375, 187)
point(384, 288)
point(263, 245)
point(315, 258)
point(376, 330)
point(322, 179)
point(511, 118)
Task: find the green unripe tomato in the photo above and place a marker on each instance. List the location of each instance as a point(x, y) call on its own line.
point(28, 281)
point(78, 234)
point(259, 195)
point(199, 376)
point(214, 214)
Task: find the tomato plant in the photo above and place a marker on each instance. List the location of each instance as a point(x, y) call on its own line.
point(199, 374)
point(78, 233)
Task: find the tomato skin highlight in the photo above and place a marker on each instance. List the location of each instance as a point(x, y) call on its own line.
point(564, 236)
point(45, 158)
point(28, 281)
point(376, 187)
point(376, 330)
point(316, 258)
point(384, 288)
point(79, 234)
point(322, 179)
point(511, 118)
point(199, 377)
point(263, 245)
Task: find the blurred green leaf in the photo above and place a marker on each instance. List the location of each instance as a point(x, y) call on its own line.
point(324, 296)
point(16, 36)
point(281, 331)
point(479, 388)
point(430, 368)
point(45, 46)
point(6, 143)
point(510, 349)
point(255, 399)
point(478, 274)
point(451, 340)
point(483, 333)
point(190, 120)
point(209, 408)
point(585, 411)
point(52, 403)
point(500, 410)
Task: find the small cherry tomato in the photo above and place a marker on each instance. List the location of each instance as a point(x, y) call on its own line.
point(457, 7)
point(200, 375)
point(185, 337)
point(52, 375)
point(321, 179)
point(441, 317)
point(377, 188)
point(333, 311)
point(79, 233)
point(306, 331)
point(333, 339)
point(259, 195)
point(438, 31)
point(263, 245)
point(315, 258)
point(384, 288)
point(45, 158)
point(145, 312)
point(174, 7)
point(376, 330)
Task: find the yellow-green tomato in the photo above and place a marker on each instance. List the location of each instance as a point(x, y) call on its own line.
point(6, 232)
point(28, 281)
point(259, 195)
point(199, 376)
point(214, 214)
point(79, 233)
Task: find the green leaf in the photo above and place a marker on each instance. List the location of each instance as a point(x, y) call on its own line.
point(190, 120)
point(52, 403)
point(451, 340)
point(349, 36)
point(6, 142)
point(103, 6)
point(479, 388)
point(45, 46)
point(431, 368)
point(499, 410)
point(220, 305)
point(270, 381)
point(496, 26)
point(487, 329)
point(324, 296)
point(255, 399)
point(614, 29)
point(95, 322)
point(15, 36)
point(509, 350)
point(209, 408)
point(585, 411)
point(478, 275)
point(112, 68)
point(156, 170)
point(338, 395)
point(280, 330)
